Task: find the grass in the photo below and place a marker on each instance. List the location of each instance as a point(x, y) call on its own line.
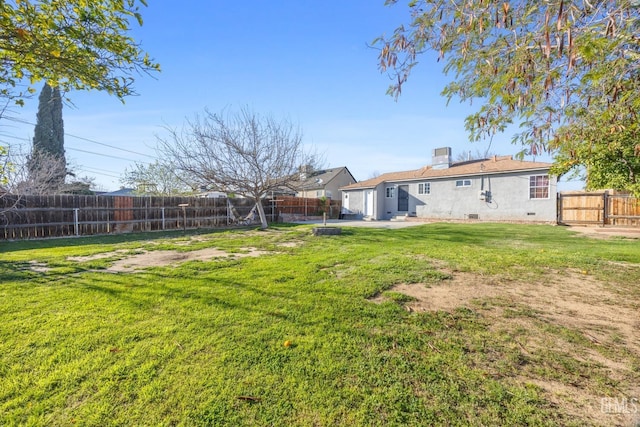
point(201, 343)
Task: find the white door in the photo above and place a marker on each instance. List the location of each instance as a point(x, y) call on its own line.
point(368, 203)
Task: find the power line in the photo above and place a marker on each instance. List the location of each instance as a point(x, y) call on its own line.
point(91, 171)
point(110, 146)
point(103, 155)
point(97, 169)
point(85, 151)
point(26, 122)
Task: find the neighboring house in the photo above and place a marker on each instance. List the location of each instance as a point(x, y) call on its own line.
point(124, 191)
point(323, 183)
point(499, 189)
point(211, 194)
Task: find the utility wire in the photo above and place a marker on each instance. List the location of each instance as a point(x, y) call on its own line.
point(98, 169)
point(110, 146)
point(103, 155)
point(91, 171)
point(26, 122)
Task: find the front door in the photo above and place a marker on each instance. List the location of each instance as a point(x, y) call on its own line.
point(368, 203)
point(403, 198)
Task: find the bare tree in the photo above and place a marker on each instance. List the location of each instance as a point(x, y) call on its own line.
point(376, 173)
point(158, 179)
point(6, 167)
point(477, 155)
point(23, 179)
point(238, 152)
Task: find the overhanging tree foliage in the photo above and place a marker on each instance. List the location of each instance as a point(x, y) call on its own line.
point(242, 153)
point(72, 44)
point(566, 71)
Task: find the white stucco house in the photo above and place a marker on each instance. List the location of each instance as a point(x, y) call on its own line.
point(494, 189)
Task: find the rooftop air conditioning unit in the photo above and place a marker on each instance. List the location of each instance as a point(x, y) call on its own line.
point(441, 158)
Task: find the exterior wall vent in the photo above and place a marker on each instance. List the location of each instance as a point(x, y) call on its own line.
point(441, 158)
point(472, 216)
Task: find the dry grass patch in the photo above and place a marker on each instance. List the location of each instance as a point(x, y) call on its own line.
point(577, 337)
point(145, 259)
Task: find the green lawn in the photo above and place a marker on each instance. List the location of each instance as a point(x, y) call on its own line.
point(201, 343)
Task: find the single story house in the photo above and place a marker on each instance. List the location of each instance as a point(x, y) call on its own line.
point(124, 191)
point(323, 183)
point(494, 189)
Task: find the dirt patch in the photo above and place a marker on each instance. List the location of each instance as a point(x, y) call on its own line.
point(290, 244)
point(146, 259)
point(607, 232)
point(553, 313)
point(38, 267)
point(164, 258)
point(573, 299)
point(93, 257)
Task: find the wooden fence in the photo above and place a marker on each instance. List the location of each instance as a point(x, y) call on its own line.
point(598, 208)
point(305, 207)
point(30, 217)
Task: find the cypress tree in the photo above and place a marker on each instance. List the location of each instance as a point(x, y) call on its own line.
point(48, 140)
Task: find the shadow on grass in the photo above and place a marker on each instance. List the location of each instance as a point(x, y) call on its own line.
point(10, 271)
point(201, 294)
point(111, 239)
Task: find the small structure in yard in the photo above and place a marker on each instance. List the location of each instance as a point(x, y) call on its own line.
point(326, 231)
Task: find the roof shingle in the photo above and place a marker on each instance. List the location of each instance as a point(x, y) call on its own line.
point(494, 165)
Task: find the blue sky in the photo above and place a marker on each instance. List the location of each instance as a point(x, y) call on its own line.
point(303, 60)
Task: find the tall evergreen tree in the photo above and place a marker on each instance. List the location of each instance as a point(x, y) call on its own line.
point(48, 141)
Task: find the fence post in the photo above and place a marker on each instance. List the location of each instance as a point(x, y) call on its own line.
point(605, 208)
point(184, 215)
point(75, 220)
point(163, 218)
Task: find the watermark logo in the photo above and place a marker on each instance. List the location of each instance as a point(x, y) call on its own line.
point(620, 405)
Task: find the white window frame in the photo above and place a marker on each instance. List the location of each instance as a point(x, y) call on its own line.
point(538, 190)
point(424, 188)
point(463, 183)
point(390, 192)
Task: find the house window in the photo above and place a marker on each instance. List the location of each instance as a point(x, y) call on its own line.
point(424, 188)
point(463, 183)
point(539, 187)
point(390, 192)
point(319, 193)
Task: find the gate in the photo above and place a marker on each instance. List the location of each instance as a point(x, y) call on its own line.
point(598, 208)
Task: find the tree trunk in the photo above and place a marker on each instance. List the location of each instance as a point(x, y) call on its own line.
point(263, 216)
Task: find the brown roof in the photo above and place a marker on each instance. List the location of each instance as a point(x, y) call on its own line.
point(493, 165)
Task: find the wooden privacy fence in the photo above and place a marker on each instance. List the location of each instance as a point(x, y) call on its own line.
point(29, 217)
point(598, 208)
point(299, 206)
